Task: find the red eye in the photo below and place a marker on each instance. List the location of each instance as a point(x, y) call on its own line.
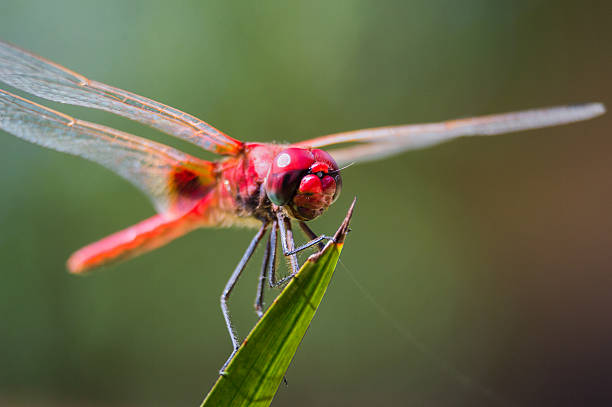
point(303, 181)
point(286, 173)
point(324, 157)
point(311, 184)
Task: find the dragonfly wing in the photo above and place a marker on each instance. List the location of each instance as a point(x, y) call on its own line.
point(377, 143)
point(48, 80)
point(172, 179)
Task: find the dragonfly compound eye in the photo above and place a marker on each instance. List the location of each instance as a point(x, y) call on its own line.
point(286, 173)
point(325, 163)
point(304, 181)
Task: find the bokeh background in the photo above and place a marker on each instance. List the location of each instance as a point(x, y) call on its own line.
point(487, 262)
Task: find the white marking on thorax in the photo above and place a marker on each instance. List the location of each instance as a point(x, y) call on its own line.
point(283, 160)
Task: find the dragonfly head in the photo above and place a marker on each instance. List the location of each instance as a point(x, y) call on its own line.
point(303, 181)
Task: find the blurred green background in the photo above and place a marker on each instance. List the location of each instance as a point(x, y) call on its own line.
point(494, 253)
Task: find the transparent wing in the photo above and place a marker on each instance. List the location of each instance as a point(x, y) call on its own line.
point(48, 80)
point(169, 177)
point(377, 143)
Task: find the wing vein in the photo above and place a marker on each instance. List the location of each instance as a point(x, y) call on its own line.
point(148, 165)
point(377, 143)
point(38, 76)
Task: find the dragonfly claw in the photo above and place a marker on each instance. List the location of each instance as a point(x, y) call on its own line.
point(222, 371)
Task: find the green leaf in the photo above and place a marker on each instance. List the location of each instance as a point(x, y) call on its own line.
point(256, 371)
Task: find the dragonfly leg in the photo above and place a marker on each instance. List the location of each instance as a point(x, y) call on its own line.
point(272, 282)
point(230, 286)
point(265, 266)
point(315, 241)
point(309, 233)
point(289, 249)
point(284, 226)
point(313, 236)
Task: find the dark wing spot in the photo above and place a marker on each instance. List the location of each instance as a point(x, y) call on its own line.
point(186, 183)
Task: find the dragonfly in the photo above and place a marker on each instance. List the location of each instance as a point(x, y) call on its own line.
point(268, 186)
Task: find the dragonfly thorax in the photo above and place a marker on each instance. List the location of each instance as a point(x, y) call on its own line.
point(303, 181)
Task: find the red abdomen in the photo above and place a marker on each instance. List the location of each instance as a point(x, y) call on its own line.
point(142, 237)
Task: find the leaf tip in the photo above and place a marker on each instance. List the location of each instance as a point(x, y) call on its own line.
point(344, 227)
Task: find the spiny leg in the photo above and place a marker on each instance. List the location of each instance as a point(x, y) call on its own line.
point(286, 234)
point(272, 261)
point(310, 234)
point(315, 241)
point(265, 266)
point(230, 286)
point(314, 238)
point(289, 249)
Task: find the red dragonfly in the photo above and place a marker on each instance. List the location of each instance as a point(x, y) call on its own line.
point(262, 185)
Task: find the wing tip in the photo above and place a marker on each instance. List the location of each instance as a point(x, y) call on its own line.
point(589, 110)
